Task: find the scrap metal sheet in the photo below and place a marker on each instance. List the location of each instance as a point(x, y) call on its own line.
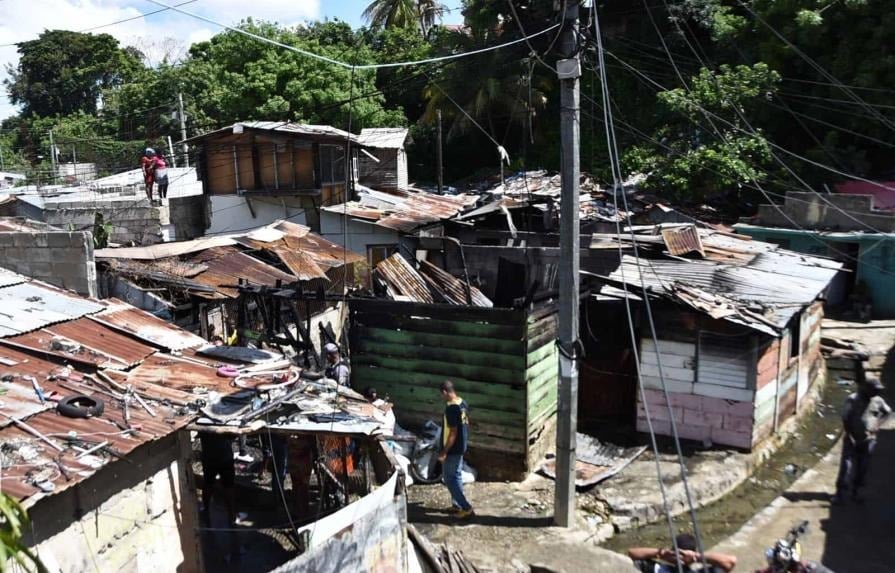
point(29, 306)
point(595, 461)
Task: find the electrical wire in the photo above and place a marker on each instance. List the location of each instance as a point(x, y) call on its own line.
point(630, 317)
point(344, 64)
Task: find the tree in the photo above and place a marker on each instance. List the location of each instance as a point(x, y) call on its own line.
point(691, 163)
point(13, 520)
point(421, 14)
point(63, 72)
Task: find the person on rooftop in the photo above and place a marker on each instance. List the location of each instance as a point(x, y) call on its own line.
point(336, 367)
point(656, 560)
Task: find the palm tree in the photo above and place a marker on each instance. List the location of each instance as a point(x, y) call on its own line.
point(392, 13)
point(404, 14)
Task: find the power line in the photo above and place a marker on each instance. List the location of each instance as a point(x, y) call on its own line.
point(345, 65)
point(132, 18)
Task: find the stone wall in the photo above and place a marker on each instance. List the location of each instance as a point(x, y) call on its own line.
point(132, 221)
point(811, 211)
point(61, 258)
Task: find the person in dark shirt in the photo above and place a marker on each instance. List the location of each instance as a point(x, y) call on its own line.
point(336, 368)
point(864, 412)
point(655, 560)
point(455, 435)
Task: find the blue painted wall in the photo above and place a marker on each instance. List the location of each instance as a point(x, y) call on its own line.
point(876, 256)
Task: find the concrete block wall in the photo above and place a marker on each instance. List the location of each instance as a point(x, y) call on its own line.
point(61, 258)
point(132, 222)
point(811, 211)
point(700, 418)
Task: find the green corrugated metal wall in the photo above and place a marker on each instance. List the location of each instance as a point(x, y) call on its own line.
point(503, 363)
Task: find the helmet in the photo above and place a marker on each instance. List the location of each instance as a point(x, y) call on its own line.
point(149, 151)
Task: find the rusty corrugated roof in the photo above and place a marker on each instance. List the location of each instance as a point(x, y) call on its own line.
point(183, 375)
point(225, 269)
point(403, 211)
point(300, 264)
point(125, 318)
point(451, 288)
point(96, 344)
point(682, 240)
point(403, 280)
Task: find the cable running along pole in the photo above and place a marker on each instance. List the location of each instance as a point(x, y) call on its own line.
point(569, 71)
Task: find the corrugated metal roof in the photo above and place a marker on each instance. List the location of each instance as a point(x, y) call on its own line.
point(179, 374)
point(85, 341)
point(19, 399)
point(28, 306)
point(300, 264)
point(122, 316)
point(383, 137)
point(748, 282)
point(9, 278)
point(227, 268)
point(323, 131)
point(451, 288)
point(164, 250)
point(683, 240)
point(403, 280)
point(403, 211)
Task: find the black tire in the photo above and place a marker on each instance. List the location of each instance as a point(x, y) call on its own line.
point(417, 478)
point(80, 406)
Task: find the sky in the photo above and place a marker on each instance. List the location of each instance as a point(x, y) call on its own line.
point(26, 19)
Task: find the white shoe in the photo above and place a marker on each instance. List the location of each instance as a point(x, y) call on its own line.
point(245, 458)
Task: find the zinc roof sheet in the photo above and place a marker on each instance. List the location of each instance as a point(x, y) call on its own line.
point(28, 306)
point(383, 137)
point(9, 278)
point(125, 318)
point(94, 344)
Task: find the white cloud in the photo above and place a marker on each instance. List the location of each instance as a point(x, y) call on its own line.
point(26, 19)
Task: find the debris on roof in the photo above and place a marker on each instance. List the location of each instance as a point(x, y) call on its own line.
point(744, 281)
point(429, 284)
point(125, 318)
point(403, 211)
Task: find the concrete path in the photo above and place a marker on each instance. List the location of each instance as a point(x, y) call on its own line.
point(849, 538)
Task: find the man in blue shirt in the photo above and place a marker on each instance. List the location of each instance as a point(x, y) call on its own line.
point(455, 435)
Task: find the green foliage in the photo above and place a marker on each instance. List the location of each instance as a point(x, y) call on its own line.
point(13, 521)
point(64, 72)
point(691, 165)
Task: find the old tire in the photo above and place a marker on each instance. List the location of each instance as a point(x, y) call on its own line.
point(80, 406)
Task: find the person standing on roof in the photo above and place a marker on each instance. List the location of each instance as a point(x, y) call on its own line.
point(336, 368)
point(146, 164)
point(160, 174)
point(864, 412)
point(455, 439)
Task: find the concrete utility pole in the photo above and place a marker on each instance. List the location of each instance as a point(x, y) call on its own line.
point(439, 157)
point(182, 115)
point(568, 70)
point(53, 155)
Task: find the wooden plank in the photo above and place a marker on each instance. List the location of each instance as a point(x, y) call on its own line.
point(408, 396)
point(543, 339)
point(440, 368)
point(671, 360)
point(437, 340)
point(670, 373)
point(435, 326)
point(439, 311)
point(543, 402)
point(724, 392)
point(535, 356)
point(686, 349)
point(536, 370)
point(535, 424)
point(374, 376)
point(463, 356)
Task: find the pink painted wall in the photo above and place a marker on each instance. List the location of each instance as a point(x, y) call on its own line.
point(725, 422)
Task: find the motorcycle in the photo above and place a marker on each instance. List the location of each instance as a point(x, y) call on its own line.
point(786, 554)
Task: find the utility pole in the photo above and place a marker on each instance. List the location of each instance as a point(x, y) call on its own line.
point(53, 156)
point(439, 157)
point(171, 152)
point(568, 70)
point(1, 159)
point(186, 158)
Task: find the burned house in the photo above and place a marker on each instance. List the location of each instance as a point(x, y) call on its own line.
point(194, 283)
point(101, 405)
point(737, 325)
point(376, 221)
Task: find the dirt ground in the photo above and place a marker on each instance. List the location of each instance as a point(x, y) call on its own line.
point(513, 527)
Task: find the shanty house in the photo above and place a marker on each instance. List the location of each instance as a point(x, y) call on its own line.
point(375, 222)
point(255, 172)
point(382, 162)
point(737, 330)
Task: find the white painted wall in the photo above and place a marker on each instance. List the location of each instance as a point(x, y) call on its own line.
point(360, 235)
point(231, 214)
